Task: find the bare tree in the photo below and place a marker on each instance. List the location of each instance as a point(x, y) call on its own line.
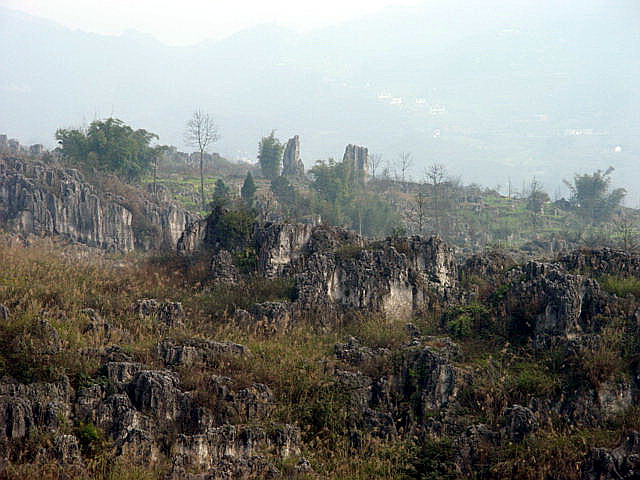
point(420, 208)
point(201, 133)
point(375, 163)
point(436, 174)
point(405, 164)
point(628, 233)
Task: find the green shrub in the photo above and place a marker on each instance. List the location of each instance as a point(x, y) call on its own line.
point(464, 320)
point(90, 438)
point(621, 286)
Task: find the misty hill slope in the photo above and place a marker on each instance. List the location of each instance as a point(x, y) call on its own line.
point(507, 87)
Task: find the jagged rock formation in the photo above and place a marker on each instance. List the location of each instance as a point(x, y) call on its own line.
point(279, 244)
point(40, 199)
point(550, 304)
point(169, 314)
point(138, 408)
point(601, 261)
point(357, 158)
point(291, 163)
point(378, 278)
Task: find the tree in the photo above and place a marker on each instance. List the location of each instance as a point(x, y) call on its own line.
point(285, 193)
point(436, 174)
point(405, 164)
point(201, 133)
point(591, 197)
point(420, 208)
point(159, 153)
point(248, 190)
point(270, 155)
point(375, 163)
point(109, 146)
point(221, 191)
point(536, 198)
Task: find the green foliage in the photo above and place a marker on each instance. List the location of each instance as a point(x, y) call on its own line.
point(464, 320)
point(90, 438)
point(248, 190)
point(620, 285)
point(231, 229)
point(221, 191)
point(531, 379)
point(591, 197)
point(284, 191)
point(433, 459)
point(109, 146)
point(270, 155)
point(342, 200)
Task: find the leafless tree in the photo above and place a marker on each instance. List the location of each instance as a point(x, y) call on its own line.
point(628, 233)
point(201, 133)
point(405, 164)
point(375, 163)
point(436, 175)
point(420, 208)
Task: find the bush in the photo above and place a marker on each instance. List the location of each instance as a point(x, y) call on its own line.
point(464, 320)
point(90, 438)
point(620, 286)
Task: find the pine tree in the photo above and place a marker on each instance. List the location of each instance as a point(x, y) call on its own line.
point(248, 190)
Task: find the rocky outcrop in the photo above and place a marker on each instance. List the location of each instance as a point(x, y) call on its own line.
point(168, 314)
point(601, 261)
point(291, 163)
point(280, 244)
point(193, 352)
point(519, 422)
point(266, 318)
point(357, 158)
point(25, 408)
point(41, 199)
point(622, 462)
point(192, 238)
point(546, 302)
point(223, 270)
point(395, 278)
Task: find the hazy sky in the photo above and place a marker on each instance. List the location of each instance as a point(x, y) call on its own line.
point(189, 21)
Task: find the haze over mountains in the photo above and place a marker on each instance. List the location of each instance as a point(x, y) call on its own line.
point(492, 91)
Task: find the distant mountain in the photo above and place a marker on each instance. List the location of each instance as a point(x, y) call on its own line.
point(531, 89)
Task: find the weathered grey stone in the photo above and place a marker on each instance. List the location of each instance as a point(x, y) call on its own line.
point(430, 378)
point(267, 318)
point(191, 352)
point(170, 314)
point(205, 451)
point(279, 244)
point(357, 355)
point(621, 463)
point(291, 163)
point(156, 393)
point(223, 270)
point(601, 261)
point(519, 422)
point(358, 159)
point(549, 303)
point(24, 408)
point(41, 199)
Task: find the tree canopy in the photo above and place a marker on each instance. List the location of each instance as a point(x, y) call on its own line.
point(591, 197)
point(270, 152)
point(110, 146)
point(248, 190)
